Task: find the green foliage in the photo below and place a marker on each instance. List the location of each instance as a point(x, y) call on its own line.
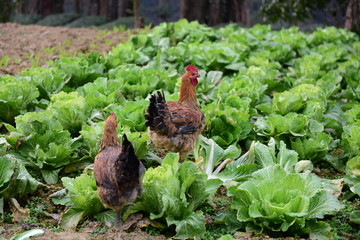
point(58, 19)
point(84, 199)
point(172, 194)
point(276, 200)
point(229, 121)
point(26, 19)
point(80, 70)
point(47, 80)
point(71, 110)
point(15, 180)
point(352, 177)
point(16, 94)
point(42, 141)
point(28, 234)
point(343, 224)
point(87, 21)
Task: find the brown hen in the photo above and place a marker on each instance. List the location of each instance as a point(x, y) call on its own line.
point(117, 170)
point(175, 126)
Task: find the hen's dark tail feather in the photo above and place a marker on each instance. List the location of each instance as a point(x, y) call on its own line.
point(132, 163)
point(158, 116)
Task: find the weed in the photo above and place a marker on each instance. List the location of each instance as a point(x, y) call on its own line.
point(57, 229)
point(17, 60)
point(341, 223)
point(109, 43)
point(68, 43)
point(214, 231)
point(7, 218)
point(152, 231)
point(100, 230)
point(120, 28)
point(49, 50)
point(37, 209)
point(4, 61)
point(207, 209)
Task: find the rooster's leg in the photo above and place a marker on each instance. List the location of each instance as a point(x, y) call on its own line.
point(118, 223)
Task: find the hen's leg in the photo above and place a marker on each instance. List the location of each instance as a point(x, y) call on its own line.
point(182, 155)
point(118, 223)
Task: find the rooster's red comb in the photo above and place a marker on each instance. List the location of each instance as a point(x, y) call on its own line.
point(191, 68)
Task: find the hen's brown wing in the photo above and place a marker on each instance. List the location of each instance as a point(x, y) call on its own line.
point(186, 119)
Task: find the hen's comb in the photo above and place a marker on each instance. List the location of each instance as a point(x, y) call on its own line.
point(191, 68)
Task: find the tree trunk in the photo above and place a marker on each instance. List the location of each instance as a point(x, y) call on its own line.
point(239, 12)
point(104, 6)
point(136, 7)
point(352, 17)
point(215, 13)
point(194, 10)
point(32, 7)
point(122, 6)
point(78, 6)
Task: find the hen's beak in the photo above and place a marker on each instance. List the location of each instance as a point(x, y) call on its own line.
point(198, 75)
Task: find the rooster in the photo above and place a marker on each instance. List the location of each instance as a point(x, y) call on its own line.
point(175, 126)
point(117, 170)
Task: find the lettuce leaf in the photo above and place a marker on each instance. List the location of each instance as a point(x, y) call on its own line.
point(47, 80)
point(16, 94)
point(42, 141)
point(71, 110)
point(352, 177)
point(82, 191)
point(15, 180)
point(79, 70)
point(172, 193)
point(277, 200)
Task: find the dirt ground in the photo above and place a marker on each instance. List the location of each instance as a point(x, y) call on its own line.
point(87, 233)
point(32, 45)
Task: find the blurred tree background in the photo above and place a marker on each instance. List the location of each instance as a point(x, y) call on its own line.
point(339, 13)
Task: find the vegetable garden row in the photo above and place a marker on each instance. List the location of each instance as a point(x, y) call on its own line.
point(280, 104)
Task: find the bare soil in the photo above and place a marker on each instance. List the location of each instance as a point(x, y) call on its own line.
point(87, 233)
point(33, 45)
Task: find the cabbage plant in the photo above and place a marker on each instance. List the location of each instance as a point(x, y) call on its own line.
point(278, 198)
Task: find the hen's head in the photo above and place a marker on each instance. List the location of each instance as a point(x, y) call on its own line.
point(110, 122)
point(192, 73)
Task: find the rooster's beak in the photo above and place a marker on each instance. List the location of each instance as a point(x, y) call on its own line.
point(198, 75)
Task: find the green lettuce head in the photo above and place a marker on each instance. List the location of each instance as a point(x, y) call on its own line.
point(277, 200)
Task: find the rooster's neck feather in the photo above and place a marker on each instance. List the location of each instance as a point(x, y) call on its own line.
point(187, 92)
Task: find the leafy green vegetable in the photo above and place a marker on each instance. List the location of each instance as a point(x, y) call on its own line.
point(228, 122)
point(279, 201)
point(131, 114)
point(351, 138)
point(15, 180)
point(136, 83)
point(172, 193)
point(211, 155)
point(16, 94)
point(100, 93)
point(315, 147)
point(26, 235)
point(85, 201)
point(42, 140)
point(352, 177)
point(91, 137)
point(71, 110)
point(47, 80)
point(79, 70)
